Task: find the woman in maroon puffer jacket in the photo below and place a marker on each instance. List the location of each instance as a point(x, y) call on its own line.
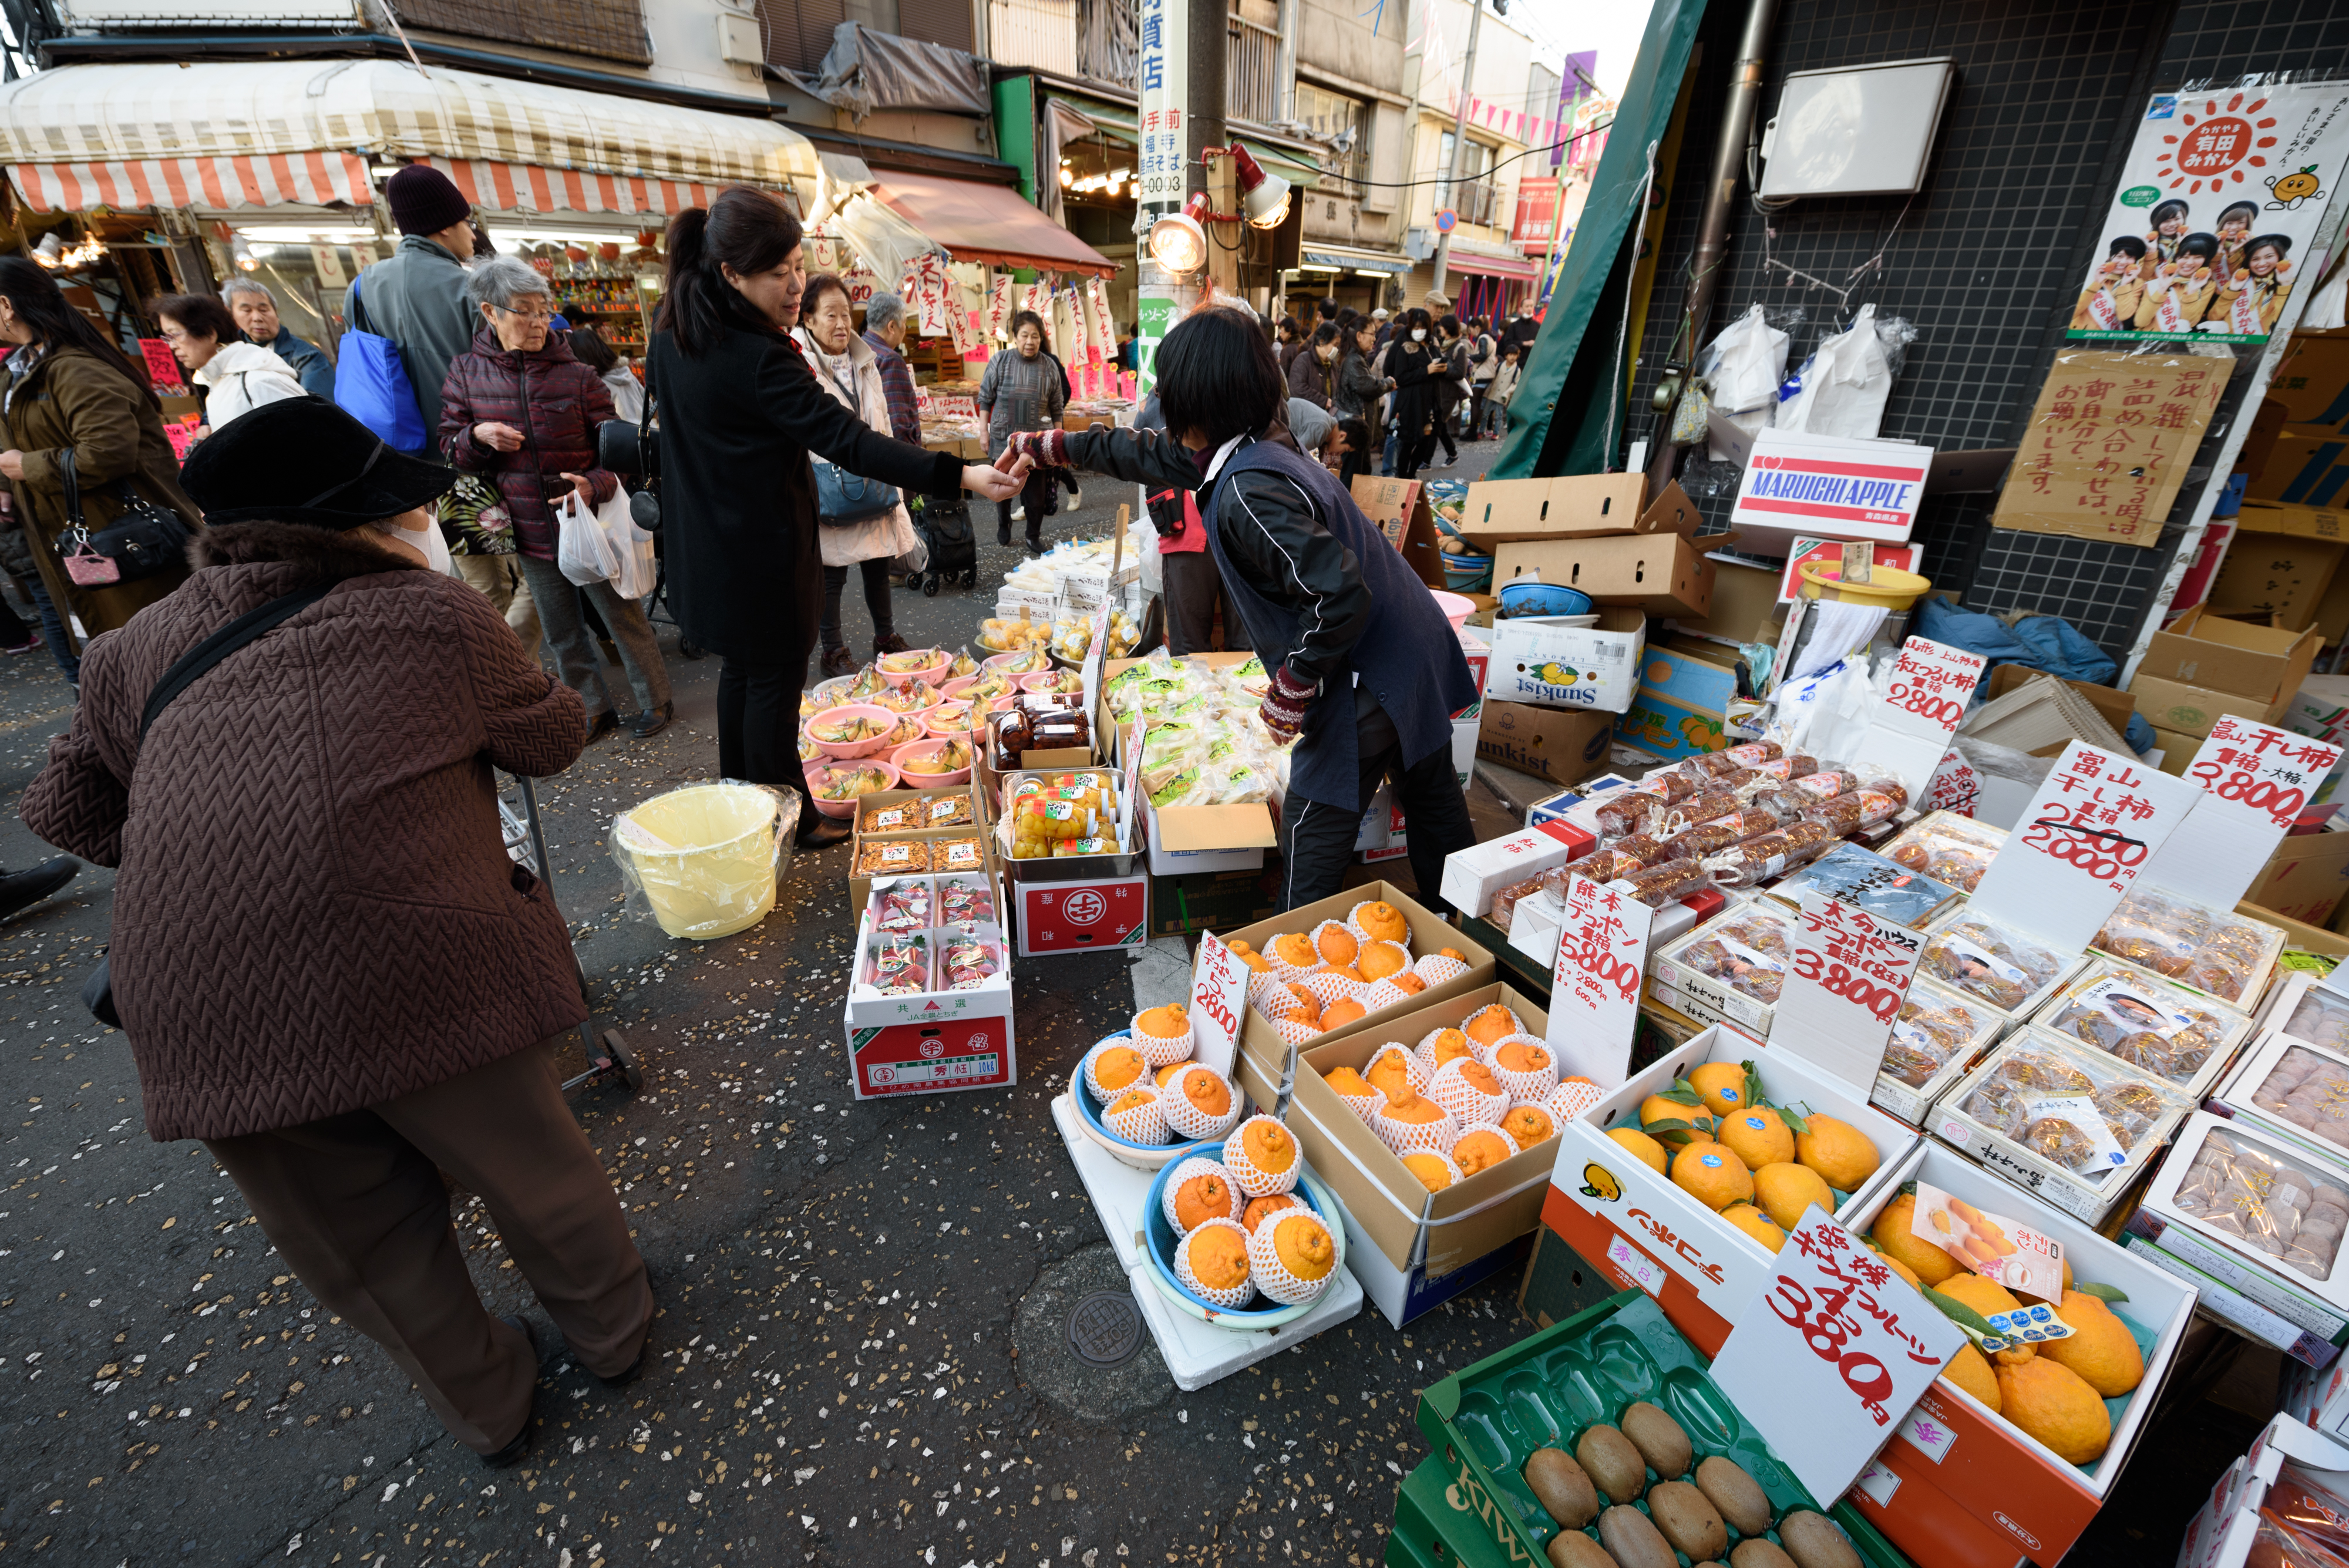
point(520, 410)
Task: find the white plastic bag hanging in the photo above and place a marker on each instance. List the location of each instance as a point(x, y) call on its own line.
point(583, 550)
point(1845, 384)
point(639, 571)
point(1744, 365)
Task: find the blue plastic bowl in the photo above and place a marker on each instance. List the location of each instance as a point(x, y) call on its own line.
point(1519, 596)
point(1159, 1239)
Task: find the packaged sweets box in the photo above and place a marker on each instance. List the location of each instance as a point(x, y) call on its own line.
point(936, 1040)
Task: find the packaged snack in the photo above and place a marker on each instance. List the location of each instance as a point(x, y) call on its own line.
point(1669, 784)
point(1768, 854)
point(963, 902)
point(1697, 808)
point(1627, 814)
point(1746, 950)
point(901, 907)
point(1071, 847)
point(947, 810)
point(956, 854)
point(1932, 1027)
point(1849, 813)
point(1604, 866)
point(1949, 848)
point(2167, 1032)
point(848, 781)
point(1644, 847)
point(904, 815)
point(2003, 968)
point(2310, 1091)
point(1793, 766)
point(2221, 953)
point(1752, 754)
point(2321, 1019)
point(898, 965)
point(1870, 881)
point(2055, 1107)
point(966, 963)
point(892, 857)
point(2266, 1202)
point(1825, 784)
point(1505, 901)
point(1711, 837)
point(1659, 885)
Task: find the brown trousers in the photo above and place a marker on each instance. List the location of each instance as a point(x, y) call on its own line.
point(355, 1205)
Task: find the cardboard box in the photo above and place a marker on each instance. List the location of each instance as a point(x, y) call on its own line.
point(2258, 442)
point(928, 1042)
point(1550, 663)
point(1212, 900)
point(2276, 578)
point(1191, 838)
point(1638, 1229)
point(2187, 711)
point(1967, 1488)
point(2176, 748)
point(1564, 745)
point(2308, 467)
point(1399, 507)
point(1389, 1209)
point(1744, 604)
point(1662, 574)
point(2305, 878)
point(1683, 706)
point(1572, 507)
point(1089, 916)
point(2264, 663)
point(2301, 522)
point(2312, 379)
point(2114, 706)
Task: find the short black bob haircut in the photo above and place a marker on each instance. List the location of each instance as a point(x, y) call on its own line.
point(1217, 377)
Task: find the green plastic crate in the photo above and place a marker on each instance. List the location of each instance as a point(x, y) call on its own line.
point(1443, 1520)
point(1484, 1421)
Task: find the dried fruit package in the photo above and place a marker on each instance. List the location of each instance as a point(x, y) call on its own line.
point(2308, 1090)
point(1751, 754)
point(2266, 1202)
point(2166, 1031)
point(1746, 950)
point(1934, 1026)
point(1505, 901)
point(1859, 809)
point(1952, 849)
point(1768, 854)
point(1989, 962)
point(901, 907)
point(898, 965)
point(2070, 1107)
point(1659, 885)
point(893, 858)
point(2208, 949)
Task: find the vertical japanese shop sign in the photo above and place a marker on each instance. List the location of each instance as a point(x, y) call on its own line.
point(2080, 846)
point(1594, 998)
point(1847, 974)
point(2254, 780)
point(1162, 74)
point(2110, 438)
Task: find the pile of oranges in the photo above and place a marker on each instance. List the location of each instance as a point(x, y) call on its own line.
point(1312, 982)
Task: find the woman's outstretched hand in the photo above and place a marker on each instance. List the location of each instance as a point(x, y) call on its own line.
point(997, 484)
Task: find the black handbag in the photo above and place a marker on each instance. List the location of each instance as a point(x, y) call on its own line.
point(98, 991)
point(143, 538)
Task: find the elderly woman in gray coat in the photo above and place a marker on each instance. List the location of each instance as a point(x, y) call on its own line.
point(1023, 390)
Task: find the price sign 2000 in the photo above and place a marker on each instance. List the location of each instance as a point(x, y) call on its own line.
point(2103, 853)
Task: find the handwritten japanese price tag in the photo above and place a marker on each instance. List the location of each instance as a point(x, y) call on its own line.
point(1929, 687)
point(2082, 842)
point(1992, 1245)
point(1955, 786)
point(1830, 1354)
point(1846, 973)
point(1594, 998)
point(162, 364)
point(1219, 992)
point(2254, 779)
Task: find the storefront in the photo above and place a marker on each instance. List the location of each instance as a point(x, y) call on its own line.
point(1359, 278)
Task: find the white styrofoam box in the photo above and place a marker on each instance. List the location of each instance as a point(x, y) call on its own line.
point(1471, 876)
point(1720, 1264)
point(2237, 1094)
point(2220, 1300)
point(2321, 1307)
point(1043, 604)
point(2302, 1006)
point(1196, 1352)
point(1539, 660)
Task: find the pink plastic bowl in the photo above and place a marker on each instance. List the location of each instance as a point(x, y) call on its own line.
point(914, 765)
point(821, 773)
point(858, 748)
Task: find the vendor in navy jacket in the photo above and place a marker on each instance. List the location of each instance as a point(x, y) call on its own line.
point(1366, 670)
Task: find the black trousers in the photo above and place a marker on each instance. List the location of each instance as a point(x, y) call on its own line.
point(1194, 587)
point(876, 599)
point(1319, 838)
point(1036, 498)
point(759, 725)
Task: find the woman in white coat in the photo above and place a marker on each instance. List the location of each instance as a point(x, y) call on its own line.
point(845, 367)
point(237, 374)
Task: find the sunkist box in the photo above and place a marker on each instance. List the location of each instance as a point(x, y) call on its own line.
point(1965, 1487)
point(1551, 661)
point(1638, 1229)
point(1564, 745)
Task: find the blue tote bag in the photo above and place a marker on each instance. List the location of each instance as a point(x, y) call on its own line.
point(371, 384)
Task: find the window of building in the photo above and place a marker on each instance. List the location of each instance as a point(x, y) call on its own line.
point(611, 29)
point(1474, 200)
point(1333, 114)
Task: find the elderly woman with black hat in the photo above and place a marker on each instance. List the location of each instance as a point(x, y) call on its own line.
point(328, 970)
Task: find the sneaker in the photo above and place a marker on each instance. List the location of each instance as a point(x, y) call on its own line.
point(838, 661)
point(1019, 512)
point(890, 642)
point(653, 720)
point(32, 640)
point(23, 889)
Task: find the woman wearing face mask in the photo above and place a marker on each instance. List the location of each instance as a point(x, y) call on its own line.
point(849, 371)
point(1022, 391)
point(739, 410)
point(520, 409)
point(1412, 367)
point(1312, 374)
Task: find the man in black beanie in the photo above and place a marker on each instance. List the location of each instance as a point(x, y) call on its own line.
point(416, 298)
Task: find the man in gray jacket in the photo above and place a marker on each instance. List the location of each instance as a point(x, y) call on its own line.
point(416, 296)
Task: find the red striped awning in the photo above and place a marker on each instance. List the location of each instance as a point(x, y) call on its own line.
point(1525, 271)
point(529, 188)
point(271, 180)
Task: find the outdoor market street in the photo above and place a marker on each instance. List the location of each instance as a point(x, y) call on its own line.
point(861, 1354)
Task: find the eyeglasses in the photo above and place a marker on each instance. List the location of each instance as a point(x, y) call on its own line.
point(524, 314)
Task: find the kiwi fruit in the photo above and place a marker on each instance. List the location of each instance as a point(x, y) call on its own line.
point(1813, 1542)
point(1559, 1485)
point(1608, 1457)
point(1739, 1498)
point(1687, 1519)
point(1659, 1439)
point(1633, 1540)
point(1572, 1549)
point(1758, 1552)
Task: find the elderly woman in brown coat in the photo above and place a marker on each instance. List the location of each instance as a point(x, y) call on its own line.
point(65, 387)
point(327, 968)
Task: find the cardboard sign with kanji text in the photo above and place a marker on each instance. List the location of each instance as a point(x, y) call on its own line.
point(2080, 846)
point(1219, 992)
point(2110, 438)
point(1831, 1352)
point(1594, 998)
point(2254, 779)
point(1847, 974)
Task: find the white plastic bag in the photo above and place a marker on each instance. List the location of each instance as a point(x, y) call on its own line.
point(1845, 384)
point(639, 571)
point(1743, 366)
point(584, 551)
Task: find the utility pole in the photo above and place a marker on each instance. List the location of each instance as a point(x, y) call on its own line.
point(1459, 139)
point(1203, 126)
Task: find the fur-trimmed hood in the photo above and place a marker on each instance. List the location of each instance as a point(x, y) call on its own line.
point(321, 553)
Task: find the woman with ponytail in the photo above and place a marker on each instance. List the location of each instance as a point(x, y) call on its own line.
point(740, 411)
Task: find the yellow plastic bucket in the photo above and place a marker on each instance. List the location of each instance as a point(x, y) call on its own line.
point(1887, 588)
point(704, 855)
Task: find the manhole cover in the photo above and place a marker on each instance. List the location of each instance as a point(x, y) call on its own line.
point(1106, 1329)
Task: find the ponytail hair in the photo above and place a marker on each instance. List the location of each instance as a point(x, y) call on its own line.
point(39, 304)
point(747, 229)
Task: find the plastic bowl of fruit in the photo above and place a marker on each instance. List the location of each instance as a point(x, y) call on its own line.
point(927, 765)
point(914, 664)
point(835, 787)
point(857, 730)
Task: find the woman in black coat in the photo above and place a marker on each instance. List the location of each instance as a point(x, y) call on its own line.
point(740, 412)
point(1413, 366)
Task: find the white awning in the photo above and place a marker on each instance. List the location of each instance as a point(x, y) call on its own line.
point(259, 134)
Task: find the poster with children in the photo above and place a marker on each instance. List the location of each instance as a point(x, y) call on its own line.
point(2216, 214)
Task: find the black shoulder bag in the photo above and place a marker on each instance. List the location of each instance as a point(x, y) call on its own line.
point(98, 991)
point(143, 540)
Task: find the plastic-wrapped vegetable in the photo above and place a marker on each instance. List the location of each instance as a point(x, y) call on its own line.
point(964, 903)
point(899, 965)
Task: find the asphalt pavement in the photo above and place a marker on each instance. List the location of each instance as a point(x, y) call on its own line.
point(861, 1353)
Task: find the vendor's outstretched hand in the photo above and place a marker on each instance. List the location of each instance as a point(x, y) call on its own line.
point(994, 483)
point(1046, 449)
point(1283, 711)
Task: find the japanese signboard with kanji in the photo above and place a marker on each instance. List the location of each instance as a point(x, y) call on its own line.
point(2214, 222)
point(1846, 973)
point(2110, 439)
point(1830, 1354)
point(1925, 694)
point(2254, 779)
point(2080, 846)
point(1161, 68)
point(1594, 1000)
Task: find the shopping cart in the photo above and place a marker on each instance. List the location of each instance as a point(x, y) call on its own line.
point(608, 1056)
